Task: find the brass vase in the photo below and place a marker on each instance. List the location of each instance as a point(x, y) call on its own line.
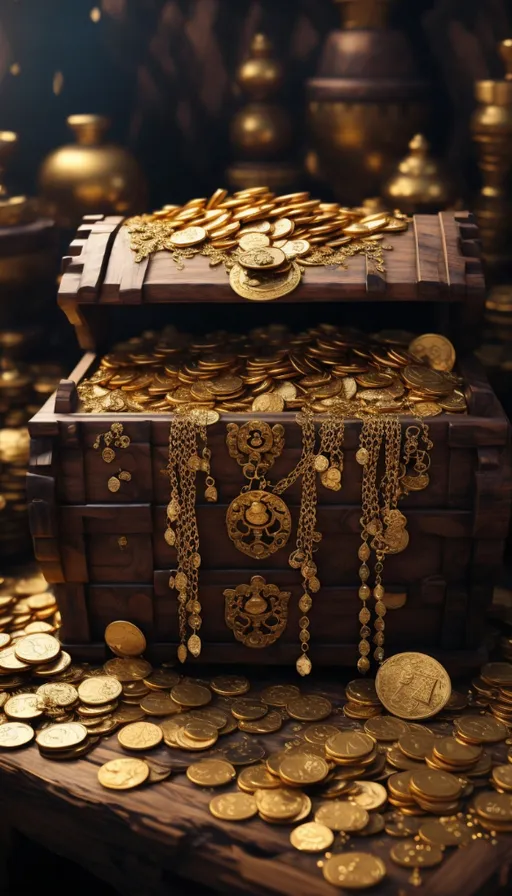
point(491, 127)
point(364, 104)
point(90, 176)
point(419, 185)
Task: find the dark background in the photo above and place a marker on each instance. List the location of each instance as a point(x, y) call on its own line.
point(163, 70)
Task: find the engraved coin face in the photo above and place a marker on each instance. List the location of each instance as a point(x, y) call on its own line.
point(189, 236)
point(211, 772)
point(61, 736)
point(58, 693)
point(99, 689)
point(14, 735)
point(140, 736)
point(23, 706)
point(280, 803)
point(123, 774)
point(128, 668)
point(436, 349)
point(38, 648)
point(413, 686)
point(311, 837)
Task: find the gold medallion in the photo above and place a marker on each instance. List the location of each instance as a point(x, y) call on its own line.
point(259, 523)
point(413, 686)
point(256, 613)
point(263, 288)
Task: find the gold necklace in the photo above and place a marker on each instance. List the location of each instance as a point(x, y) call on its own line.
point(182, 531)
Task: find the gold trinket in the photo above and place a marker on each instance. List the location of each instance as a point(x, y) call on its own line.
point(257, 613)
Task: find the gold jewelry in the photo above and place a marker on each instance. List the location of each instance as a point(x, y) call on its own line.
point(182, 531)
point(114, 483)
point(332, 434)
point(256, 613)
point(258, 521)
point(368, 456)
point(113, 436)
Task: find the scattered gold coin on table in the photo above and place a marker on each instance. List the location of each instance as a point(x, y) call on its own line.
point(354, 870)
point(233, 806)
point(311, 837)
point(123, 774)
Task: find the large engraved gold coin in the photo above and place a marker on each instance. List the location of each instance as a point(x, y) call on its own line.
point(258, 523)
point(125, 638)
point(123, 774)
point(436, 349)
point(413, 686)
point(264, 287)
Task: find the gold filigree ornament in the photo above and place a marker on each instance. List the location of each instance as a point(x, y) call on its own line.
point(256, 613)
point(258, 522)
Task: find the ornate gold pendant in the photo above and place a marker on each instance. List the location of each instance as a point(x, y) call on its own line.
point(256, 613)
point(258, 523)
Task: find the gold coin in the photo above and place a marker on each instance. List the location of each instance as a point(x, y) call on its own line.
point(62, 663)
point(59, 693)
point(427, 408)
point(451, 751)
point(501, 774)
point(370, 795)
point(410, 854)
point(266, 725)
point(303, 769)
point(264, 289)
point(455, 402)
point(296, 248)
point(445, 833)
point(233, 806)
point(426, 379)
point(254, 777)
point(497, 673)
point(157, 704)
point(23, 706)
point(123, 774)
point(42, 601)
point(190, 236)
point(480, 729)
point(362, 691)
point(204, 416)
point(309, 708)
point(279, 694)
point(200, 730)
point(384, 728)
point(319, 734)
point(270, 403)
point(38, 648)
point(279, 804)
point(128, 668)
point(14, 735)
point(282, 228)
point(248, 241)
point(31, 584)
point(265, 258)
point(125, 638)
point(432, 785)
point(61, 736)
point(186, 742)
point(160, 679)
point(354, 870)
point(496, 807)
point(401, 688)
point(350, 745)
point(127, 713)
point(140, 736)
point(211, 772)
point(9, 662)
point(99, 689)
point(436, 349)
point(190, 694)
point(312, 837)
point(213, 716)
point(340, 815)
point(4, 639)
point(230, 685)
point(417, 745)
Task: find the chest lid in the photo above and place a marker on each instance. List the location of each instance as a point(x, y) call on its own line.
point(435, 263)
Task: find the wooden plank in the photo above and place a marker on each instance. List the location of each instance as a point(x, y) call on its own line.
point(95, 260)
point(455, 265)
point(430, 267)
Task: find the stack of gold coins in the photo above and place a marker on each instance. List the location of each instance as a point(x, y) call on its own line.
point(484, 729)
point(400, 796)
point(362, 701)
point(436, 792)
point(497, 679)
point(494, 811)
point(450, 755)
point(27, 606)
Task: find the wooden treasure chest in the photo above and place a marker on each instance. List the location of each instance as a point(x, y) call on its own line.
point(103, 543)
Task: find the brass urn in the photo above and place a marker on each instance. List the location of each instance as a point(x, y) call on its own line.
point(90, 176)
point(491, 127)
point(365, 102)
point(261, 131)
point(419, 185)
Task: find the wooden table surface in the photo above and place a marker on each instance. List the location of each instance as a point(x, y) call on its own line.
point(161, 839)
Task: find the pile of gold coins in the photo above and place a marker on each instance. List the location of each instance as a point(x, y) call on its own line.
point(334, 777)
point(273, 370)
point(23, 388)
point(264, 240)
point(493, 690)
point(27, 606)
